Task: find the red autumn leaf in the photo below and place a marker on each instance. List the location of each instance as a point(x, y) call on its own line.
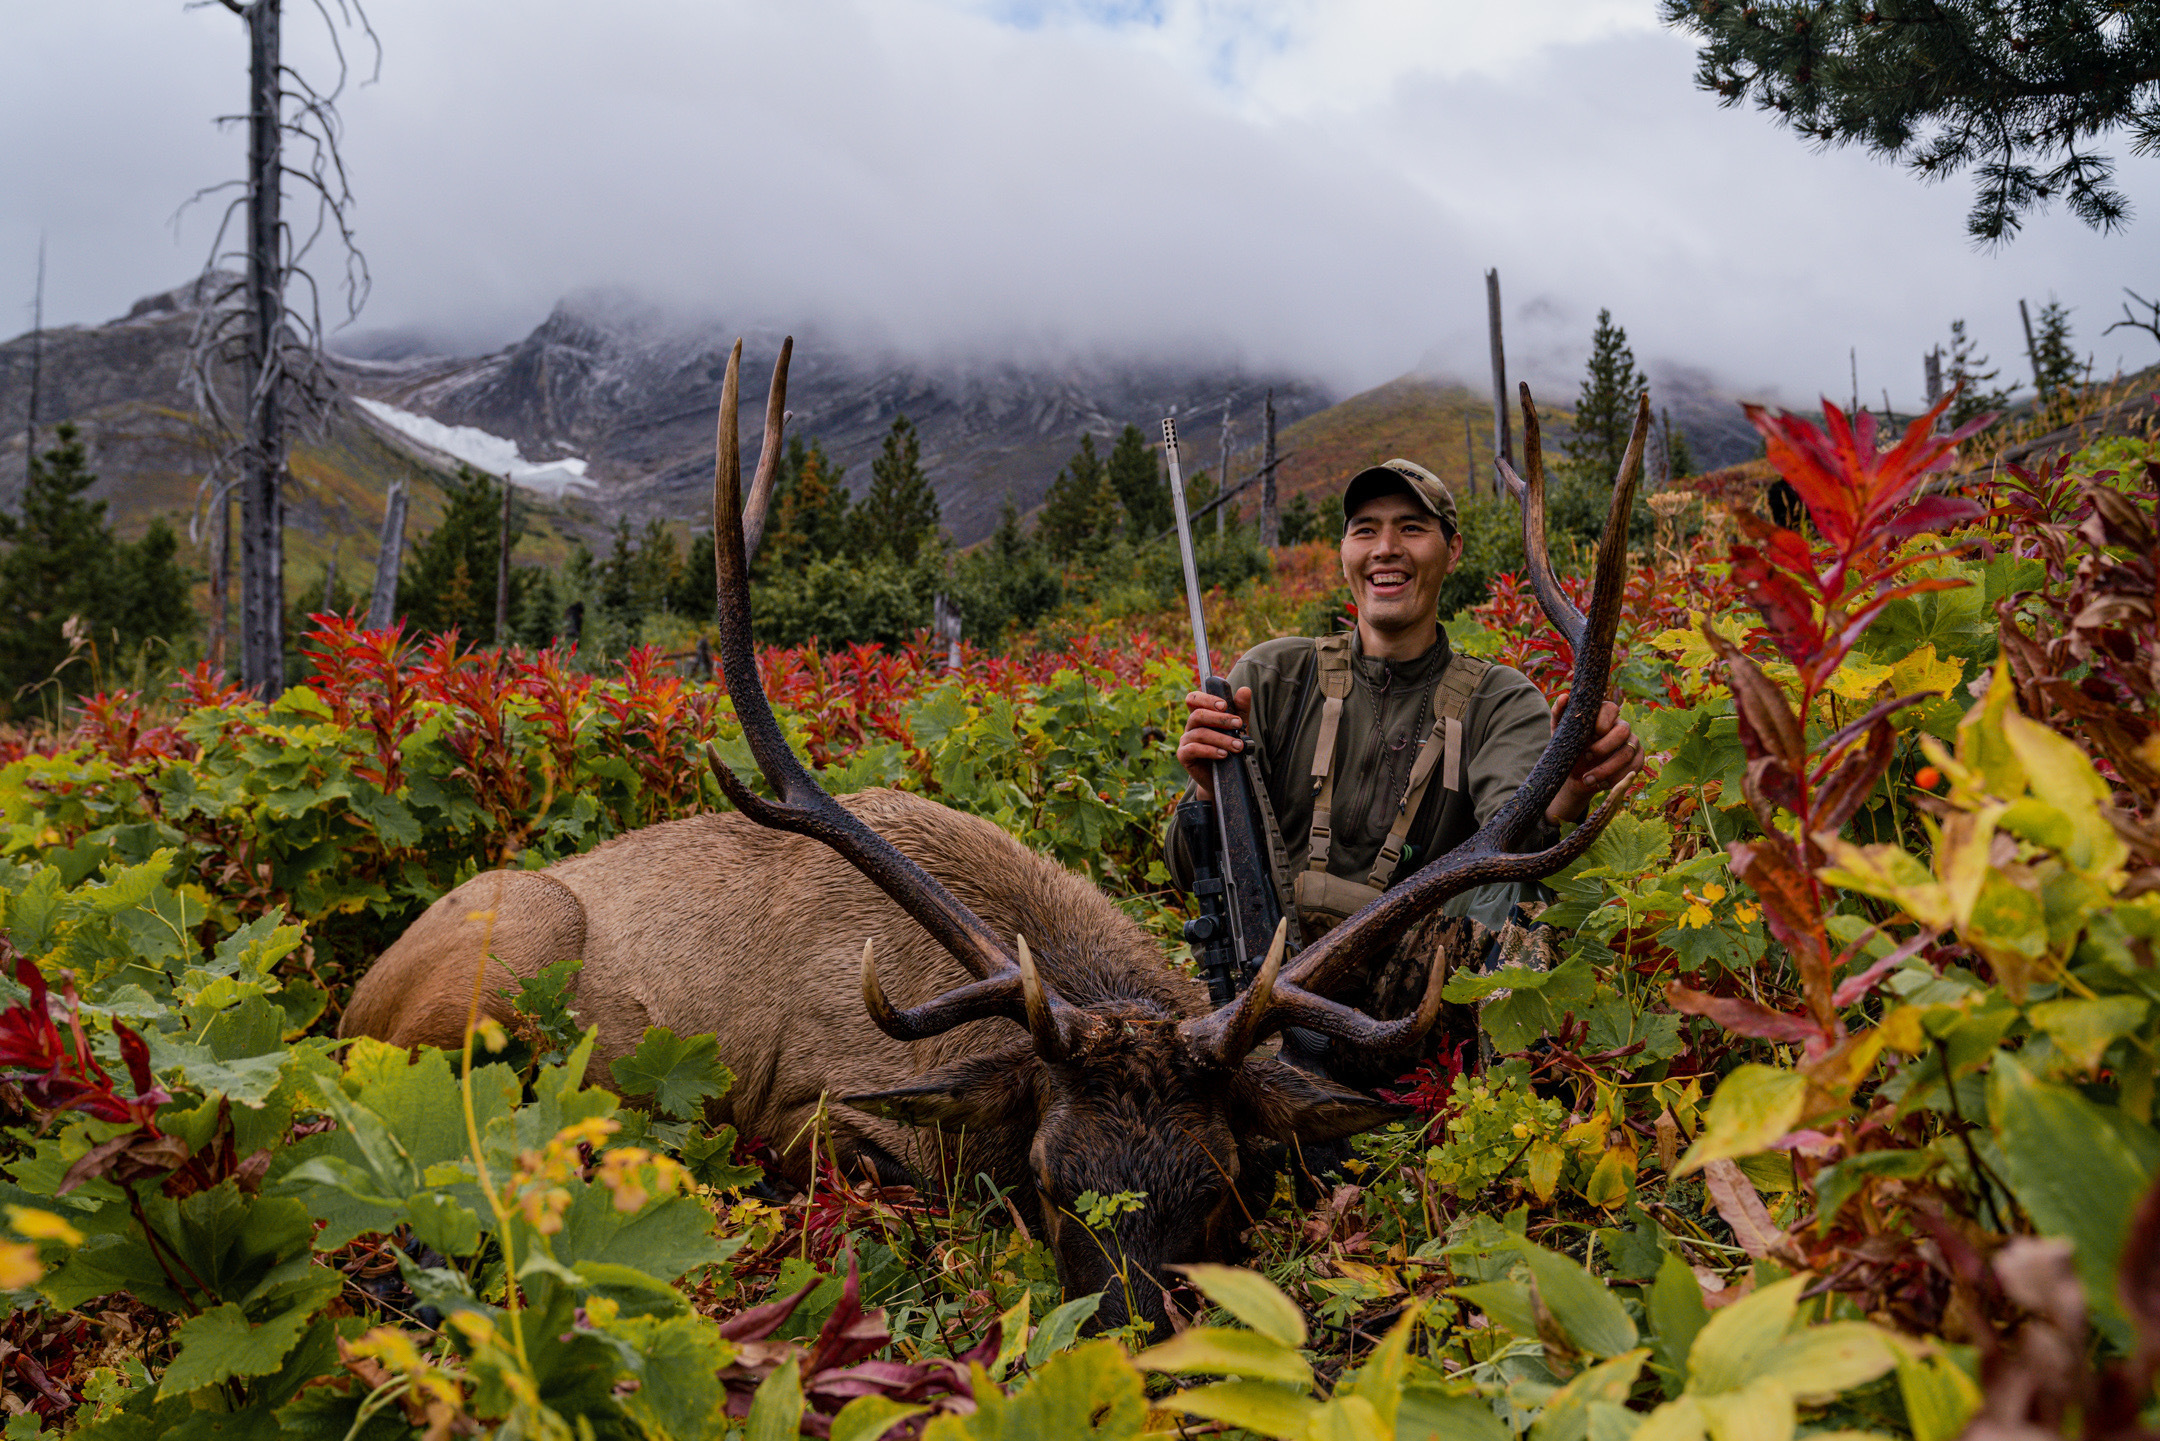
point(1743, 1016)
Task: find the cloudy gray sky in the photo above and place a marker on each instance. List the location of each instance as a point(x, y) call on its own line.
point(1312, 183)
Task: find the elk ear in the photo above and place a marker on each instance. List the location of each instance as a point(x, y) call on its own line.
point(975, 1093)
point(1297, 1107)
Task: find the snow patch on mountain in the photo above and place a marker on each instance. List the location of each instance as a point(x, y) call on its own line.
point(495, 454)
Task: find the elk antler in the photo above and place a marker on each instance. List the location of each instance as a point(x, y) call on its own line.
point(1296, 997)
point(1000, 987)
point(1558, 608)
point(768, 461)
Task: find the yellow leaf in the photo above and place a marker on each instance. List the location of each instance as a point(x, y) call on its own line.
point(2081, 1029)
point(1729, 1350)
point(1856, 679)
point(1939, 1397)
point(1887, 873)
point(2060, 774)
point(19, 1266)
point(1760, 1411)
point(1901, 1031)
point(1543, 1163)
point(1609, 1183)
point(1256, 1406)
point(1820, 1363)
point(1921, 670)
point(1222, 1351)
point(1680, 1420)
point(1981, 744)
point(1750, 1111)
point(1253, 1299)
point(41, 1226)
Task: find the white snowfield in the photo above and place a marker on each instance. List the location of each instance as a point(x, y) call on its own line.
point(494, 454)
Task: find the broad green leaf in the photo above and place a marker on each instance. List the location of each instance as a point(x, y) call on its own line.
point(678, 1072)
point(1566, 1416)
point(2063, 776)
point(1505, 1304)
point(1629, 846)
point(1750, 1111)
point(1257, 1406)
point(1089, 1394)
point(678, 1393)
point(2083, 1029)
point(1819, 1363)
point(1732, 1344)
point(1012, 1336)
point(1060, 1328)
point(710, 1159)
point(2073, 1168)
point(1762, 1410)
point(1380, 1379)
point(1252, 1298)
point(126, 889)
point(441, 1222)
point(776, 1410)
point(1222, 1351)
point(1677, 1313)
point(1466, 986)
point(1346, 1418)
point(1939, 1397)
point(1591, 1315)
point(866, 1418)
point(1428, 1415)
point(219, 1345)
point(666, 1237)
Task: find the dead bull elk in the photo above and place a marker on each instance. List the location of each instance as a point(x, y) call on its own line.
point(876, 956)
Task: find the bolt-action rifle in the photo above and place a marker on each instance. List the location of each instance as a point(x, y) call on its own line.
point(1239, 909)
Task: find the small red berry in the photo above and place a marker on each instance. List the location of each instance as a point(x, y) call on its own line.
point(1929, 778)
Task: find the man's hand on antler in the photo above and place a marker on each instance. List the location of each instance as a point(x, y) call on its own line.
point(1612, 755)
point(1212, 732)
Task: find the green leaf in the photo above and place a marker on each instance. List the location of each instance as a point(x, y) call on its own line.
point(1630, 846)
point(1221, 1351)
point(1677, 1314)
point(1838, 1183)
point(1060, 1328)
point(1735, 1340)
point(1751, 1109)
point(866, 1418)
point(1252, 1298)
point(676, 1071)
point(1939, 1397)
point(1566, 1416)
point(710, 1159)
point(1466, 986)
point(441, 1222)
point(776, 1410)
point(1819, 1363)
point(219, 1345)
point(2083, 1029)
point(1428, 1415)
point(676, 1359)
point(1257, 1406)
point(2077, 1168)
point(1089, 1394)
point(1591, 1315)
point(1505, 1303)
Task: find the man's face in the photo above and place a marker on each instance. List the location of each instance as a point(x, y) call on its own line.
point(1395, 554)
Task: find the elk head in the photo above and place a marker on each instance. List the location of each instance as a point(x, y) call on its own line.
point(1120, 1096)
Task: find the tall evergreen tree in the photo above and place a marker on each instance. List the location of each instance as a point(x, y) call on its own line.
point(2017, 90)
point(1142, 488)
point(1605, 410)
point(1968, 365)
point(809, 515)
point(900, 514)
point(654, 569)
point(1080, 513)
point(618, 576)
point(2057, 371)
point(450, 579)
point(62, 560)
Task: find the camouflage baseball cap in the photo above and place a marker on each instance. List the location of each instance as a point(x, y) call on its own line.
point(1422, 484)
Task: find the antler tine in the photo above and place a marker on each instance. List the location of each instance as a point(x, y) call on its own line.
point(1486, 857)
point(768, 462)
point(998, 998)
point(1228, 1033)
point(804, 807)
point(1558, 609)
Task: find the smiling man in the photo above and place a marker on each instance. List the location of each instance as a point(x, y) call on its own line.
point(1379, 749)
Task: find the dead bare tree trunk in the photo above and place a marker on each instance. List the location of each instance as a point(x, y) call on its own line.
point(1223, 474)
point(220, 581)
point(1469, 456)
point(389, 555)
point(2032, 351)
point(502, 571)
point(37, 366)
point(1270, 524)
point(262, 457)
point(1503, 431)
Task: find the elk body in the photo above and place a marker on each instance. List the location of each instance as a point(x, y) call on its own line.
point(962, 1005)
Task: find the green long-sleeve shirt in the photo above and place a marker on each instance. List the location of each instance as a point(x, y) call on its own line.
point(1386, 714)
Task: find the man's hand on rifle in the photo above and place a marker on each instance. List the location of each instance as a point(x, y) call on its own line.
point(1212, 733)
point(1611, 757)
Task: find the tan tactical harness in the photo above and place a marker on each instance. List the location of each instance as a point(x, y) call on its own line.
point(1323, 898)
